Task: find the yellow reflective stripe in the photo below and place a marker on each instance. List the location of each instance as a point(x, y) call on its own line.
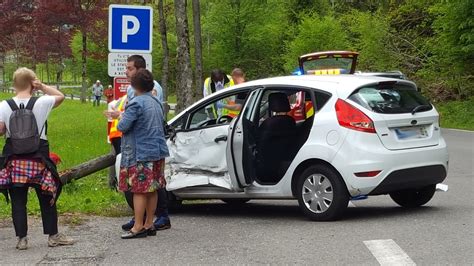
point(310, 112)
point(327, 72)
point(121, 103)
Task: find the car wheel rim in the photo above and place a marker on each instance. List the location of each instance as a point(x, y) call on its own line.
point(317, 193)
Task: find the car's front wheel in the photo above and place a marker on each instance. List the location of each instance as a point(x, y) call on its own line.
point(412, 198)
point(321, 193)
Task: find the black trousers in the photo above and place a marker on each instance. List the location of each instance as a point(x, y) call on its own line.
point(49, 213)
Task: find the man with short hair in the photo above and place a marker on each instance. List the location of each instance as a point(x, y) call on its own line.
point(97, 90)
point(238, 76)
point(134, 63)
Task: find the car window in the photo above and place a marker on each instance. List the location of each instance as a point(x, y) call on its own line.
point(321, 99)
point(180, 123)
point(391, 99)
point(219, 111)
point(300, 102)
point(343, 65)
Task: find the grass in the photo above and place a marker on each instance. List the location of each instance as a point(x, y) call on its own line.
point(457, 114)
point(172, 98)
point(77, 133)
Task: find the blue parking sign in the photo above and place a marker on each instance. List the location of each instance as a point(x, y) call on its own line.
point(130, 28)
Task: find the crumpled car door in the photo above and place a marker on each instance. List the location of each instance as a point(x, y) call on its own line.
point(197, 158)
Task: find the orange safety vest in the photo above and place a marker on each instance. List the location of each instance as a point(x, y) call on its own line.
point(232, 113)
point(114, 132)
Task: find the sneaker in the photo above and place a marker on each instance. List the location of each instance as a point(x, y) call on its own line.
point(128, 226)
point(162, 223)
point(22, 243)
point(59, 240)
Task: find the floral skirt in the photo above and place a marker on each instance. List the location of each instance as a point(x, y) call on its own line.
point(143, 177)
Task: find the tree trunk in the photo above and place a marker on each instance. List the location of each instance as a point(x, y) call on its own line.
point(164, 46)
point(87, 168)
point(198, 47)
point(2, 59)
point(47, 68)
point(185, 73)
point(84, 66)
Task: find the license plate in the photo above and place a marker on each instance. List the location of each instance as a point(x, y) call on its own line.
point(411, 132)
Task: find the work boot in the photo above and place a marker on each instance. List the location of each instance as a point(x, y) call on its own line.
point(59, 240)
point(22, 243)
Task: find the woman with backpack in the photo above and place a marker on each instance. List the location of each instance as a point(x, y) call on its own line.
point(26, 155)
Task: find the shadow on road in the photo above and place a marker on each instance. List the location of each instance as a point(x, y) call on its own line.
point(289, 210)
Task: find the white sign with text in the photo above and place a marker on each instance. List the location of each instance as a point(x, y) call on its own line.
point(118, 63)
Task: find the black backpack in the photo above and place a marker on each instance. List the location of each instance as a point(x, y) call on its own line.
point(23, 129)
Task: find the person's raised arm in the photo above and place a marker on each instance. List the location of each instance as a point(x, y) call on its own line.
point(51, 91)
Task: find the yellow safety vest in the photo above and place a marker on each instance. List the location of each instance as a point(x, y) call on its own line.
point(114, 132)
point(207, 85)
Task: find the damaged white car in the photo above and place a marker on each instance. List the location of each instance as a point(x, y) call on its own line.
point(322, 140)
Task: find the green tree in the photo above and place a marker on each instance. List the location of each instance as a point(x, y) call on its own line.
point(315, 34)
point(369, 35)
point(246, 34)
point(96, 66)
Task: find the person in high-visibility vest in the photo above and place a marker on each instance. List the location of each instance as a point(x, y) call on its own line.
point(216, 82)
point(114, 135)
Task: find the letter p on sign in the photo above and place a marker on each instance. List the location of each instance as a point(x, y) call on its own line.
point(130, 29)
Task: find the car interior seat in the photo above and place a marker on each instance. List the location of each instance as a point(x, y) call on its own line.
point(275, 140)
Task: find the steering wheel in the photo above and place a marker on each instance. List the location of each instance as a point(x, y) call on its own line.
point(206, 123)
point(224, 119)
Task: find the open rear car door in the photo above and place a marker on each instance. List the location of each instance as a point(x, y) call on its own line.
point(241, 147)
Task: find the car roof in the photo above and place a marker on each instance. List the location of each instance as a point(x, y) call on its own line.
point(344, 82)
point(341, 85)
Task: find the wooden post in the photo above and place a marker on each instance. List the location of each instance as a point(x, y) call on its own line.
point(87, 168)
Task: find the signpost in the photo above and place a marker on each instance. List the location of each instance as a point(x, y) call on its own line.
point(120, 87)
point(130, 33)
point(118, 63)
point(130, 29)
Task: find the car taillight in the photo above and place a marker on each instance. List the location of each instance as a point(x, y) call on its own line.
point(353, 118)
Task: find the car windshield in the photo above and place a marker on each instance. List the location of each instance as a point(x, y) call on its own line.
point(328, 63)
point(391, 99)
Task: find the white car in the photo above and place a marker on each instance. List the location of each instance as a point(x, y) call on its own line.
point(362, 136)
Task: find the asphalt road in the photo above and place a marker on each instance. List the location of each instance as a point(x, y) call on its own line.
point(263, 232)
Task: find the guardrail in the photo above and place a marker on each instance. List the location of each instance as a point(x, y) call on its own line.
point(72, 96)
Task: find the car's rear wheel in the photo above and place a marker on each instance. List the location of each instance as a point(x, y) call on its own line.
point(235, 202)
point(412, 198)
point(321, 193)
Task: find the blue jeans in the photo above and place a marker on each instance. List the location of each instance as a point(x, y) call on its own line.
point(96, 100)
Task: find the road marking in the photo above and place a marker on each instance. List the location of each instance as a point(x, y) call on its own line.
point(387, 252)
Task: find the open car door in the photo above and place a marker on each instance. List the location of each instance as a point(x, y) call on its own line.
point(198, 150)
point(328, 63)
point(241, 147)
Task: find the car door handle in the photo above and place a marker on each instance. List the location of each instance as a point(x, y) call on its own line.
point(220, 138)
